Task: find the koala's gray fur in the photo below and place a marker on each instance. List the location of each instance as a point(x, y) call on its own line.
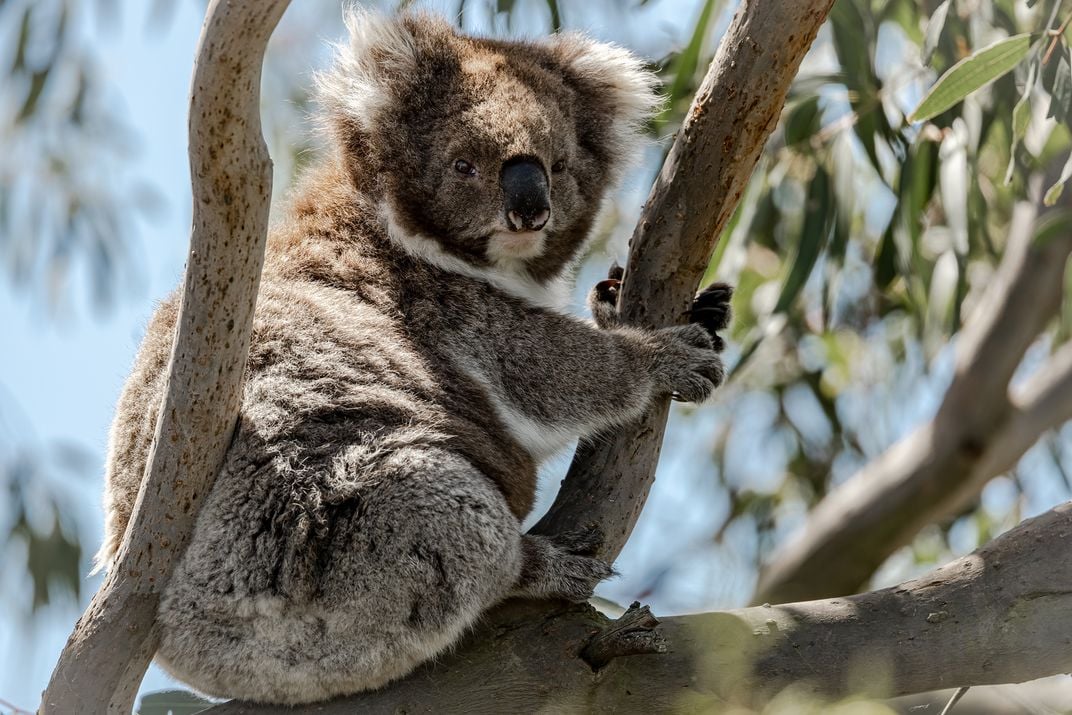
point(408, 371)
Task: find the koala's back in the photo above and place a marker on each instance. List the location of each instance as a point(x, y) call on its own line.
point(335, 511)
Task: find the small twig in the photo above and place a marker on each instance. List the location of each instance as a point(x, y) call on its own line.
point(953, 701)
point(632, 634)
point(15, 710)
point(1055, 35)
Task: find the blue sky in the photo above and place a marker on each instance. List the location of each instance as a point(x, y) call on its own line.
point(65, 375)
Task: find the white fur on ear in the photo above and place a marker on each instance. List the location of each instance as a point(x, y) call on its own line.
point(379, 48)
point(629, 87)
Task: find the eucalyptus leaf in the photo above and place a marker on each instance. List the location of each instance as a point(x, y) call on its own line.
point(1055, 191)
point(934, 31)
point(172, 702)
point(973, 73)
point(688, 60)
point(818, 218)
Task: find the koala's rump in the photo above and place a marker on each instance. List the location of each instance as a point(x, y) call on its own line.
point(347, 539)
point(300, 585)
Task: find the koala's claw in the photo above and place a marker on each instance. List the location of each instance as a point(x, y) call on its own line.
point(562, 566)
point(690, 367)
point(711, 309)
point(606, 291)
point(603, 298)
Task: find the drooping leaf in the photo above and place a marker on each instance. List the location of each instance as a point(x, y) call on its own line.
point(973, 73)
point(818, 218)
point(934, 31)
point(687, 61)
point(1021, 117)
point(803, 121)
point(1055, 191)
point(1057, 80)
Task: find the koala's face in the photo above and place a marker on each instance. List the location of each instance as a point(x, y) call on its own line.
point(499, 152)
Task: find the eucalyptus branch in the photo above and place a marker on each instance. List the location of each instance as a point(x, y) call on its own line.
point(106, 656)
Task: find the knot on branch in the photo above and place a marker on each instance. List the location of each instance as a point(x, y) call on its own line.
point(632, 634)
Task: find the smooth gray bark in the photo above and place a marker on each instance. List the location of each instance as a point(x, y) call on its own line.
point(105, 658)
point(735, 110)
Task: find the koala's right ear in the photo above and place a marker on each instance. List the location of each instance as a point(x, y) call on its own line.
point(381, 50)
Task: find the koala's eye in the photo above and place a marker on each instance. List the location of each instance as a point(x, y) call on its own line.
point(463, 167)
point(559, 166)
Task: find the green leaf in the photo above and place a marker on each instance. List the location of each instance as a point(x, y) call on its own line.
point(803, 121)
point(1058, 82)
point(1054, 192)
point(171, 702)
point(934, 31)
point(971, 74)
point(686, 62)
point(1053, 225)
point(818, 218)
point(556, 15)
point(1021, 113)
point(886, 259)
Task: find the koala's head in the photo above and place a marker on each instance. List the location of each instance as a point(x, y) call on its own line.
point(499, 152)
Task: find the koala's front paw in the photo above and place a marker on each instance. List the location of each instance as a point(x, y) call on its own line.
point(561, 566)
point(687, 364)
point(603, 298)
point(711, 309)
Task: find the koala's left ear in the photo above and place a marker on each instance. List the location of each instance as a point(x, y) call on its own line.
point(616, 80)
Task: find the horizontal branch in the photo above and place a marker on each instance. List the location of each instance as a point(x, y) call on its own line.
point(106, 656)
point(1002, 614)
point(978, 432)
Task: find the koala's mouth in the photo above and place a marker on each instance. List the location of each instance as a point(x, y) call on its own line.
point(516, 245)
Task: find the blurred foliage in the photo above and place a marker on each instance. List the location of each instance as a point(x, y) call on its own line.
point(67, 200)
point(865, 239)
point(40, 525)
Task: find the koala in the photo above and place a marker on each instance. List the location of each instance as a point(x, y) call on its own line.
point(410, 366)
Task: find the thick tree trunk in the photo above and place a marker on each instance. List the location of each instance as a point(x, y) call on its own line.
point(1000, 615)
point(114, 640)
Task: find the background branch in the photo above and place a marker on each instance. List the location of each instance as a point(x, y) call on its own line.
point(735, 110)
point(978, 432)
point(106, 656)
point(977, 617)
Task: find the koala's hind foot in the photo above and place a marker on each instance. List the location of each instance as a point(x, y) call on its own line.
point(561, 566)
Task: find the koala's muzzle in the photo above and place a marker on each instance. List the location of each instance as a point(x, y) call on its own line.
point(526, 193)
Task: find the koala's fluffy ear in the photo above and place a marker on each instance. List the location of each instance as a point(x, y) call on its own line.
point(617, 82)
point(381, 52)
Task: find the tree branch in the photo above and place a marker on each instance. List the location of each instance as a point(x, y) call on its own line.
point(735, 110)
point(978, 432)
point(999, 615)
point(106, 656)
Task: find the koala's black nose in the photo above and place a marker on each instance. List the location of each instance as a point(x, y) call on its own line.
point(528, 197)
